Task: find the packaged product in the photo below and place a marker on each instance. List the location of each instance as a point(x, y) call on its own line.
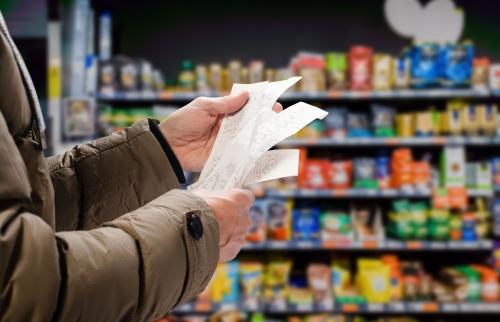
point(473, 283)
point(410, 277)
point(320, 283)
point(486, 114)
point(336, 67)
point(456, 227)
point(469, 226)
point(383, 120)
point(145, 76)
point(453, 166)
point(382, 72)
point(234, 68)
point(187, 76)
point(457, 198)
point(489, 283)
point(439, 225)
point(367, 223)
point(456, 64)
point(278, 222)
point(270, 75)
point(374, 280)
point(128, 74)
point(336, 123)
point(404, 125)
point(311, 67)
point(421, 175)
point(258, 214)
point(495, 165)
point(341, 277)
point(453, 119)
point(401, 168)
point(335, 226)
point(108, 78)
point(315, 129)
point(364, 173)
point(424, 65)
point(251, 281)
point(225, 283)
point(396, 286)
point(401, 72)
point(299, 295)
point(215, 78)
point(480, 70)
point(383, 171)
point(256, 71)
point(305, 222)
point(276, 283)
point(471, 122)
point(494, 76)
point(424, 124)
point(478, 175)
point(340, 174)
point(357, 125)
point(317, 174)
point(202, 83)
point(359, 65)
point(245, 75)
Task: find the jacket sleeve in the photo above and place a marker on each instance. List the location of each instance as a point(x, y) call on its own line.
point(103, 179)
point(134, 268)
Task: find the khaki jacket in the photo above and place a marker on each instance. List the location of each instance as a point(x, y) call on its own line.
point(95, 234)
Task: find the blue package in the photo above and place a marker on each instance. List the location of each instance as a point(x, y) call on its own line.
point(357, 125)
point(305, 224)
point(456, 65)
point(232, 296)
point(424, 65)
point(382, 170)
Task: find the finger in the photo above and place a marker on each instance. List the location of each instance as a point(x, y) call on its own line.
point(244, 197)
point(277, 107)
point(226, 104)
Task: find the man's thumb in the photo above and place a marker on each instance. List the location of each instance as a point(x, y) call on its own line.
point(231, 103)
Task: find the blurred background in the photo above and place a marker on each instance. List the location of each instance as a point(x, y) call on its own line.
point(395, 214)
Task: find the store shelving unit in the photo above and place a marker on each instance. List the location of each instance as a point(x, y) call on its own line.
point(340, 308)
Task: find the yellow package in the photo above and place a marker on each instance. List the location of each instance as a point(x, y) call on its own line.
point(424, 124)
point(382, 72)
point(374, 280)
point(276, 282)
point(453, 118)
point(404, 125)
point(341, 277)
point(436, 122)
point(487, 118)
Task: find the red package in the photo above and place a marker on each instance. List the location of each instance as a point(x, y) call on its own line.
point(317, 174)
point(341, 174)
point(359, 64)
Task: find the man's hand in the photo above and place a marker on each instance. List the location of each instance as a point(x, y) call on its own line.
point(191, 130)
point(231, 208)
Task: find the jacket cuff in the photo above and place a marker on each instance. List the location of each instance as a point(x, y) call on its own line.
point(175, 266)
point(176, 166)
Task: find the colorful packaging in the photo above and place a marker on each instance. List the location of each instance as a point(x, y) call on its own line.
point(453, 167)
point(494, 77)
point(489, 283)
point(335, 226)
point(357, 125)
point(401, 72)
point(453, 120)
point(341, 277)
point(256, 71)
point(216, 82)
point(365, 173)
point(276, 283)
point(187, 77)
point(360, 61)
point(258, 214)
point(480, 70)
point(424, 65)
point(396, 283)
point(367, 223)
point(478, 175)
point(225, 284)
point(336, 123)
point(279, 217)
point(336, 67)
point(382, 72)
point(383, 120)
point(404, 125)
point(471, 122)
point(202, 83)
point(317, 174)
point(340, 174)
point(383, 172)
point(486, 114)
point(306, 224)
point(374, 280)
point(320, 283)
point(234, 68)
point(424, 124)
point(495, 165)
point(251, 281)
point(456, 64)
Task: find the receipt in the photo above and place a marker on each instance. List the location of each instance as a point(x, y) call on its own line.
point(240, 153)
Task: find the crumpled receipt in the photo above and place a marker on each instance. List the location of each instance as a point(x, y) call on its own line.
point(240, 155)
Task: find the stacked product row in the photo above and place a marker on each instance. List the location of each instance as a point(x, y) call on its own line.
point(251, 284)
point(276, 220)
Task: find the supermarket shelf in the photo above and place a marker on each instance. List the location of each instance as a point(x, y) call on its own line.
point(297, 96)
point(384, 245)
point(374, 141)
point(362, 193)
point(392, 308)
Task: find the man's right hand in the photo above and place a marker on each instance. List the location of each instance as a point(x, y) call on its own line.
point(231, 208)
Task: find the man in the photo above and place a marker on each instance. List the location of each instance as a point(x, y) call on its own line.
point(128, 246)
